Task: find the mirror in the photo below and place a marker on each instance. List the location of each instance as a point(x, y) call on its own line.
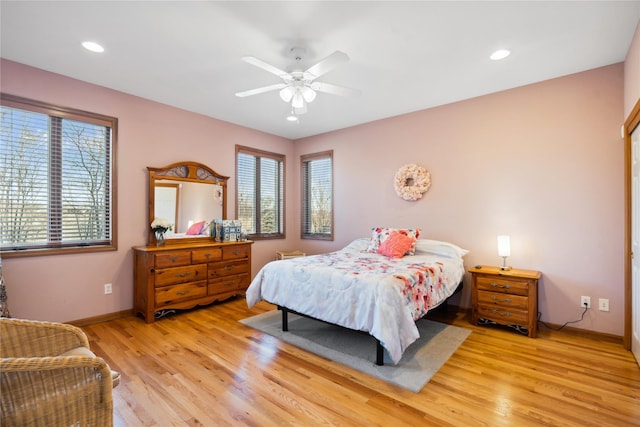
point(185, 194)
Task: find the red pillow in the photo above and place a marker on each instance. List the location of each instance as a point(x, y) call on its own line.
point(195, 228)
point(396, 245)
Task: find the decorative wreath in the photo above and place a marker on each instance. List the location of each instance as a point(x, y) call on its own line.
point(411, 181)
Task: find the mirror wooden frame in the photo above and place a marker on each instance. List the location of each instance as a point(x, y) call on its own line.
point(188, 172)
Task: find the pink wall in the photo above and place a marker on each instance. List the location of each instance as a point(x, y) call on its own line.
point(543, 163)
point(70, 287)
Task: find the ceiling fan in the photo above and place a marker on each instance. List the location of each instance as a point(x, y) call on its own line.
point(299, 87)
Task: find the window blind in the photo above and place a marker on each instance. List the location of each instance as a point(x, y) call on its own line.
point(56, 187)
point(260, 192)
point(317, 196)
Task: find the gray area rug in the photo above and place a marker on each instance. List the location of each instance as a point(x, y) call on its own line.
point(423, 358)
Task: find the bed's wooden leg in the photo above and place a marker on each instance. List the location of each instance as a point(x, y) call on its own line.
point(379, 353)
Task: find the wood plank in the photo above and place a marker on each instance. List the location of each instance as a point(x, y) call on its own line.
point(203, 367)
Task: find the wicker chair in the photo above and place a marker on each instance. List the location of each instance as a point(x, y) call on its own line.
point(49, 377)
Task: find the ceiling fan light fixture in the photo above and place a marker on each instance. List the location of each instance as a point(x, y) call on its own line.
point(298, 100)
point(286, 94)
point(292, 118)
point(93, 47)
point(308, 94)
point(500, 54)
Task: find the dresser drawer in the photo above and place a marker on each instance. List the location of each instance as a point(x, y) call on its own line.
point(206, 255)
point(182, 292)
point(228, 284)
point(235, 252)
point(172, 276)
point(503, 315)
point(228, 268)
point(503, 300)
point(173, 259)
point(501, 284)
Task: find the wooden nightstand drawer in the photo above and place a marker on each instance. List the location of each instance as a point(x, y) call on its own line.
point(499, 284)
point(514, 302)
point(503, 315)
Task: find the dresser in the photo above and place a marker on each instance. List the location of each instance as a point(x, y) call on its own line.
point(505, 297)
point(181, 276)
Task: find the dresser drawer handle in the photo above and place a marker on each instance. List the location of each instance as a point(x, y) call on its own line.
point(207, 255)
point(229, 283)
point(173, 258)
point(187, 274)
point(494, 298)
point(504, 313)
point(237, 252)
point(182, 292)
point(495, 285)
point(229, 267)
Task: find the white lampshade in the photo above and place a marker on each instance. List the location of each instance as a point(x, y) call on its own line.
point(504, 246)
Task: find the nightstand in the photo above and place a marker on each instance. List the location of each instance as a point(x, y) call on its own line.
point(505, 297)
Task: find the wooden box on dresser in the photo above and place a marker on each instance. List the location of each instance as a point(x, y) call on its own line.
point(181, 276)
point(505, 297)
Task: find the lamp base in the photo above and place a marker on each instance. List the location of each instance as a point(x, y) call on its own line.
point(505, 268)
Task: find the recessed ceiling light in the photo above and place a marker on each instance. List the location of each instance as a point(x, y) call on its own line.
point(500, 54)
point(93, 47)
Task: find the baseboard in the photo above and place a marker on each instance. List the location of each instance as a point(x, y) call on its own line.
point(102, 318)
point(600, 336)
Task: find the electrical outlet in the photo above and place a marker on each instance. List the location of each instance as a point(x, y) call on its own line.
point(585, 300)
point(603, 304)
point(108, 288)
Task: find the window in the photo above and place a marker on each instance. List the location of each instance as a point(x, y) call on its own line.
point(317, 196)
point(57, 191)
point(260, 193)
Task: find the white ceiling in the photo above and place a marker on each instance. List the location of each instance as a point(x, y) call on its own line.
point(405, 56)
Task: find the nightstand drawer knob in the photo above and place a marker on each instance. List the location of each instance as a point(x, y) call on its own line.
point(495, 285)
point(494, 298)
point(504, 313)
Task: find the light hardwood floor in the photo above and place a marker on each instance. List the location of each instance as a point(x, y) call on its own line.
point(204, 368)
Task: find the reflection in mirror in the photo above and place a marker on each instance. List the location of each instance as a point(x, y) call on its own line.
point(187, 203)
point(189, 195)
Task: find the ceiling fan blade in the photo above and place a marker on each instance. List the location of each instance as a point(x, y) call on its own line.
point(334, 89)
point(261, 90)
point(328, 64)
point(261, 64)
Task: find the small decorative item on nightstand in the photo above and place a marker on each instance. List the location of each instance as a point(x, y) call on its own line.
point(505, 297)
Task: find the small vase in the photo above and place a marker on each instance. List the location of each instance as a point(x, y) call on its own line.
point(159, 238)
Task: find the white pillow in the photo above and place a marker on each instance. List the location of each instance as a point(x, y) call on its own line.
point(358, 245)
point(437, 247)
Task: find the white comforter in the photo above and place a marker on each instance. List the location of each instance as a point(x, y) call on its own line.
point(364, 291)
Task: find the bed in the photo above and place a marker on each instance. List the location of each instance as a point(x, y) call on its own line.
point(362, 290)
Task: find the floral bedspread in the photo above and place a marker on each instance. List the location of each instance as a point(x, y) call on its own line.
point(362, 291)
